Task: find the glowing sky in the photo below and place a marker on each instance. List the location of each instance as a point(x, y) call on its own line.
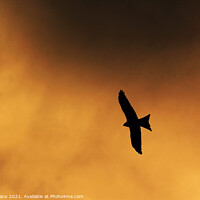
point(62, 65)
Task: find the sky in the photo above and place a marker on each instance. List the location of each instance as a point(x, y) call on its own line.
point(62, 64)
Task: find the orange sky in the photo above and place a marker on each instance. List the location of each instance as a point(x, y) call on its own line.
point(61, 124)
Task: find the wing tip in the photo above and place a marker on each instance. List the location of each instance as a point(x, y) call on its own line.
point(121, 92)
point(139, 151)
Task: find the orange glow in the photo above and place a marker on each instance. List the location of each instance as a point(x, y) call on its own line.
point(61, 123)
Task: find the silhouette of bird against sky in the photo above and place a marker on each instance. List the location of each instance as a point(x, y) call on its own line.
point(133, 122)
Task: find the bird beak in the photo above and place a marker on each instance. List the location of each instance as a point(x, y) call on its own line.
point(125, 124)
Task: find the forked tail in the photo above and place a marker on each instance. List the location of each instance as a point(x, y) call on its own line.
point(144, 122)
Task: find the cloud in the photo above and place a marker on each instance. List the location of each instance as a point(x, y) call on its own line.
point(61, 124)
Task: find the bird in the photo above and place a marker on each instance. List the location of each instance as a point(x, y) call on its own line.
point(133, 122)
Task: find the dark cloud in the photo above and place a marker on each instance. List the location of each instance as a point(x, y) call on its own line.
point(126, 40)
point(109, 26)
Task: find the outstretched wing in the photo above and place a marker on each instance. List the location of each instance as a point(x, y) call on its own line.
point(126, 106)
point(136, 139)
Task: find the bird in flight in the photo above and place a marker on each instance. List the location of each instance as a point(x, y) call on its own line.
point(133, 122)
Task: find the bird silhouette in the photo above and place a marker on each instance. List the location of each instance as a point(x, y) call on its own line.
point(133, 122)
